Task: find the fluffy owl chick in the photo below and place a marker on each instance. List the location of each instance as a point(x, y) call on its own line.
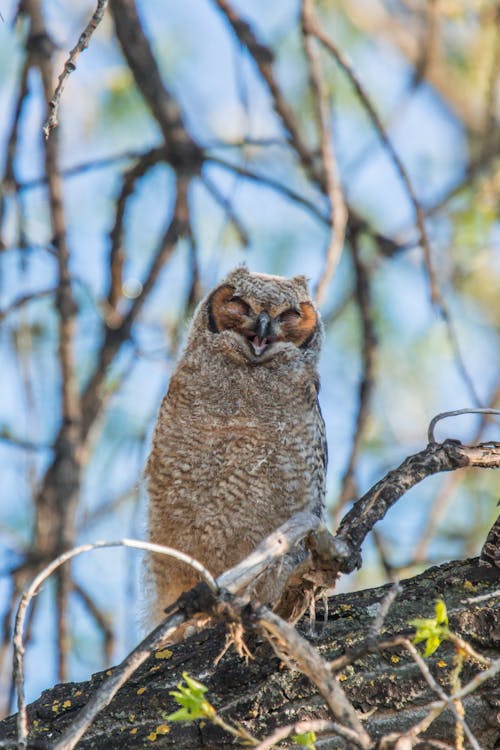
point(239, 445)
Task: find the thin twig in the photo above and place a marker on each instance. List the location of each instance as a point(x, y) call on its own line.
point(70, 65)
point(466, 648)
point(456, 413)
point(338, 209)
point(369, 643)
point(78, 169)
point(228, 209)
point(116, 256)
point(374, 504)
point(25, 445)
point(424, 669)
point(293, 648)
point(233, 580)
point(25, 299)
point(476, 681)
point(457, 353)
point(400, 168)
point(99, 618)
point(482, 598)
point(22, 717)
point(445, 493)
point(318, 726)
point(369, 347)
point(275, 185)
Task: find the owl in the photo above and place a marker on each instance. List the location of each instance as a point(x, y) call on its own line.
point(239, 444)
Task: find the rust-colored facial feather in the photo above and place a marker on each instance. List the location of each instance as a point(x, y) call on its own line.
point(226, 311)
point(298, 327)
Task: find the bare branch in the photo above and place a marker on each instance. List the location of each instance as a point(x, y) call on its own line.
point(183, 152)
point(293, 648)
point(369, 509)
point(457, 413)
point(369, 346)
point(318, 726)
point(263, 57)
point(235, 579)
point(116, 256)
point(94, 397)
point(70, 65)
point(22, 720)
point(400, 168)
point(338, 209)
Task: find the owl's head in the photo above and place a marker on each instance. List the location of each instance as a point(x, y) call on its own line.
point(256, 318)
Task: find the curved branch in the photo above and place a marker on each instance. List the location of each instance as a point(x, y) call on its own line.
point(373, 506)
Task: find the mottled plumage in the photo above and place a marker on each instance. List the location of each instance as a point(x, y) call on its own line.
point(239, 444)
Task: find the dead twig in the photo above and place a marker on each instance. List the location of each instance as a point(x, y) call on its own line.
point(70, 65)
point(456, 413)
point(445, 493)
point(369, 348)
point(318, 726)
point(293, 649)
point(372, 507)
point(233, 580)
point(346, 66)
point(22, 718)
point(338, 209)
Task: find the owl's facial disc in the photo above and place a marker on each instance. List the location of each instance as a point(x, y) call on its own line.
point(261, 328)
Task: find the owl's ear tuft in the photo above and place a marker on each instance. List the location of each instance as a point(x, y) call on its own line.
point(302, 282)
point(237, 273)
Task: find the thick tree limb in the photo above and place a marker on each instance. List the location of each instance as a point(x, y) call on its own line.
point(264, 697)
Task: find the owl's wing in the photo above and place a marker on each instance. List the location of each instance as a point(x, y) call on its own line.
point(320, 462)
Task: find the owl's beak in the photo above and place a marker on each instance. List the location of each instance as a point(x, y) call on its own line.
point(263, 325)
point(260, 341)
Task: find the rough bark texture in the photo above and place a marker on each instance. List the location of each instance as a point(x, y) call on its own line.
point(262, 695)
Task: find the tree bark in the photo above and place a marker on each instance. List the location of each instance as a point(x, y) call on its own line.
point(262, 695)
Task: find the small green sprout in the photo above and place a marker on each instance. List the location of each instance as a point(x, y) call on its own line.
point(432, 630)
point(307, 740)
point(191, 697)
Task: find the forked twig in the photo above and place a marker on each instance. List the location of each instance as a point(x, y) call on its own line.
point(22, 717)
point(400, 168)
point(235, 579)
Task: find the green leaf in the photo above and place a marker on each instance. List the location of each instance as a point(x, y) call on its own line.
point(307, 739)
point(441, 613)
point(191, 697)
point(432, 630)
